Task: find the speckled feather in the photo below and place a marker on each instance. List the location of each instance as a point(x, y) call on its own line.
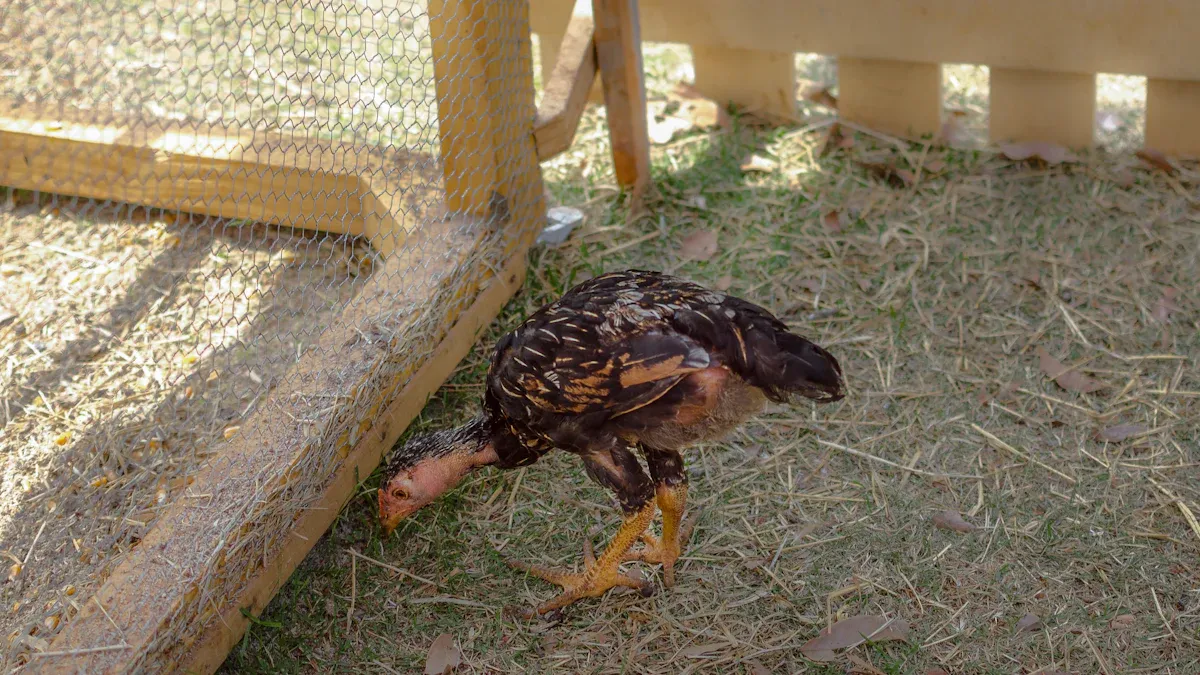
point(594, 370)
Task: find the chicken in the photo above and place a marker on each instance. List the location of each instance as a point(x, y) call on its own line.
point(626, 364)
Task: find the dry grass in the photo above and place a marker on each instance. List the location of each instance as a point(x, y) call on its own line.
point(131, 354)
point(936, 296)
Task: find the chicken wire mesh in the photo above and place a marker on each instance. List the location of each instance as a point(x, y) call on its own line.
point(135, 341)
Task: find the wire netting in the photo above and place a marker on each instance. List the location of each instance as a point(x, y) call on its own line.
point(297, 271)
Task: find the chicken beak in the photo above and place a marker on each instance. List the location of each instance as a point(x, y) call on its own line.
point(389, 524)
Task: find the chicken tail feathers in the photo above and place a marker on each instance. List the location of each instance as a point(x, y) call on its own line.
point(788, 364)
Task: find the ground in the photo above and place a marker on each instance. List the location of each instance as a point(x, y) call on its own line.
point(938, 294)
point(936, 288)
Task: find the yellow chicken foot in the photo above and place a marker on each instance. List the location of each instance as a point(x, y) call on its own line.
point(599, 575)
point(672, 499)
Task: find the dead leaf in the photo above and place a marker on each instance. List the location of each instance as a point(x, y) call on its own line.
point(7, 316)
point(696, 651)
point(835, 139)
point(1157, 160)
point(757, 668)
point(1166, 305)
point(443, 657)
point(833, 221)
point(1122, 621)
point(723, 283)
point(1119, 433)
point(1029, 623)
point(662, 127)
point(952, 520)
point(936, 671)
point(1123, 178)
point(1046, 152)
point(1071, 380)
point(851, 633)
point(893, 176)
point(820, 95)
point(759, 163)
point(699, 245)
point(935, 166)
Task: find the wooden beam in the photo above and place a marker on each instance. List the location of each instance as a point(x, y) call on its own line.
point(619, 56)
point(1172, 110)
point(566, 92)
point(550, 45)
point(215, 171)
point(895, 97)
point(459, 33)
point(754, 80)
point(1156, 38)
point(1028, 105)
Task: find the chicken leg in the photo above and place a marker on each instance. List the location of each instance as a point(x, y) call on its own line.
point(599, 575)
point(616, 468)
point(671, 494)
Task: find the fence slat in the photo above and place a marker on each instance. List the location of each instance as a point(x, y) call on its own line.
point(1172, 111)
point(1030, 105)
point(753, 80)
point(896, 97)
point(619, 56)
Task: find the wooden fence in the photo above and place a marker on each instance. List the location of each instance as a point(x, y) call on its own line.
point(1043, 58)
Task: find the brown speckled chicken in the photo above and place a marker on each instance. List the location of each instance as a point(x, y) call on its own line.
point(624, 364)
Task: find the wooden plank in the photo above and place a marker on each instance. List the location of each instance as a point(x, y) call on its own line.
point(272, 458)
point(895, 97)
point(754, 80)
point(1136, 37)
point(1172, 110)
point(619, 57)
point(566, 92)
point(1028, 105)
point(215, 171)
point(458, 30)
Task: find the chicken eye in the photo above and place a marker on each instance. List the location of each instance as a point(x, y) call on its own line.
point(399, 493)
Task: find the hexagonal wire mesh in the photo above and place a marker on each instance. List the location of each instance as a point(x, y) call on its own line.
point(134, 341)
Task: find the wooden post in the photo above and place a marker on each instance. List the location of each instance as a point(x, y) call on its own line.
point(566, 90)
point(1030, 105)
point(550, 44)
point(619, 55)
point(756, 81)
point(1172, 112)
point(896, 97)
point(459, 33)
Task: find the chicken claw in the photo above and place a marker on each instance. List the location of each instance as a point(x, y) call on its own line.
point(599, 575)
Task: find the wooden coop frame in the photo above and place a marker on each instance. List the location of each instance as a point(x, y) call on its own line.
point(242, 174)
point(1043, 58)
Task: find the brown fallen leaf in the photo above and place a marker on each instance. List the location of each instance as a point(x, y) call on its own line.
point(851, 633)
point(1157, 160)
point(1029, 623)
point(893, 176)
point(1119, 433)
point(756, 667)
point(952, 520)
point(699, 245)
point(835, 139)
point(1166, 305)
point(698, 651)
point(7, 316)
point(759, 163)
point(1122, 621)
point(820, 95)
point(832, 221)
point(723, 283)
point(1046, 152)
point(935, 166)
point(443, 656)
point(1071, 380)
